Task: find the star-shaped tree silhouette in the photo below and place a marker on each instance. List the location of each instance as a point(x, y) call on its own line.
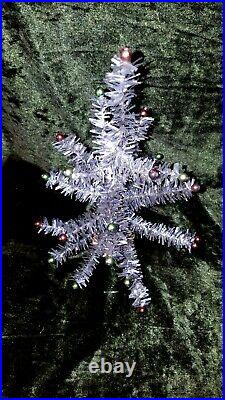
point(116, 182)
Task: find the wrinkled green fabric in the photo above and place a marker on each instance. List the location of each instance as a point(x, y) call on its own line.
point(55, 57)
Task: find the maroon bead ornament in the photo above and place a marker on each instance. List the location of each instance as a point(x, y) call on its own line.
point(125, 54)
point(63, 237)
point(154, 173)
point(38, 224)
point(60, 137)
point(195, 188)
point(144, 112)
point(141, 309)
point(196, 242)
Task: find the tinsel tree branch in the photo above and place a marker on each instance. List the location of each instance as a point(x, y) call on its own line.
point(130, 267)
point(145, 196)
point(78, 234)
point(83, 275)
point(117, 129)
point(73, 149)
point(165, 235)
point(165, 187)
point(78, 184)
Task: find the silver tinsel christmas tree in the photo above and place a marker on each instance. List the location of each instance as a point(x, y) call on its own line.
point(116, 182)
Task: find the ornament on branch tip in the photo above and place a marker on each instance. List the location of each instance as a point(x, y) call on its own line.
point(109, 260)
point(99, 92)
point(159, 156)
point(183, 177)
point(38, 223)
point(59, 137)
point(140, 309)
point(195, 188)
point(125, 54)
point(154, 173)
point(144, 112)
point(45, 176)
point(68, 172)
point(127, 282)
point(195, 242)
point(75, 286)
point(112, 227)
point(63, 237)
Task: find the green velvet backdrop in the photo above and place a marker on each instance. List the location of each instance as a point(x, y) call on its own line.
point(55, 56)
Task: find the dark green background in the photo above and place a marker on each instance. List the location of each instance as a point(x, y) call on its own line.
point(55, 56)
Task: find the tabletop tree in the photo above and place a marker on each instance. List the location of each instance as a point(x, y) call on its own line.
point(116, 182)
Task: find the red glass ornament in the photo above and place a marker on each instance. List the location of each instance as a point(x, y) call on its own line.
point(144, 112)
point(196, 242)
point(195, 188)
point(38, 223)
point(141, 309)
point(154, 173)
point(125, 54)
point(63, 237)
point(60, 137)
